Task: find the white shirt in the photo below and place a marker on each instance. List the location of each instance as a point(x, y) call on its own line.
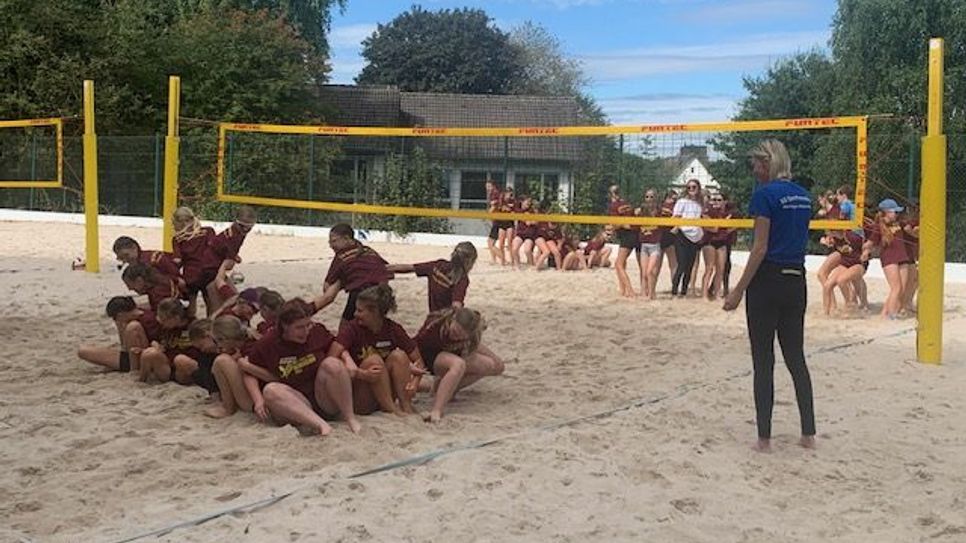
point(689, 209)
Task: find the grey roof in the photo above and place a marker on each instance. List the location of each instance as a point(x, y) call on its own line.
point(387, 106)
point(433, 110)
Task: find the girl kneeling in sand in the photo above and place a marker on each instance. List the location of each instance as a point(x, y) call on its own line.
point(303, 384)
point(379, 355)
point(449, 343)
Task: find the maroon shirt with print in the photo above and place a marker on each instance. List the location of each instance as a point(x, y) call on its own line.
point(361, 342)
point(442, 290)
point(357, 267)
point(294, 364)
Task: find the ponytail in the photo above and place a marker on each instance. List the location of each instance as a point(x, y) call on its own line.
point(462, 259)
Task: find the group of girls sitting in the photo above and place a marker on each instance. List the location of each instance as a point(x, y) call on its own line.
point(261, 353)
point(891, 234)
point(537, 244)
point(683, 246)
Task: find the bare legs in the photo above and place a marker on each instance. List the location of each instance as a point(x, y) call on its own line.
point(894, 274)
point(333, 394)
point(454, 373)
point(231, 388)
point(620, 266)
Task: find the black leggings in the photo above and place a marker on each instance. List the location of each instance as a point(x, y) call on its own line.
point(775, 302)
point(686, 251)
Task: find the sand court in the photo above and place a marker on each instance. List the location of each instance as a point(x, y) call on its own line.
point(96, 456)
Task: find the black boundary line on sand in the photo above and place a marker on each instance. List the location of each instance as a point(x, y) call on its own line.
point(426, 457)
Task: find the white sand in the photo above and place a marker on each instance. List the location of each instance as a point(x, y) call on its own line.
point(94, 456)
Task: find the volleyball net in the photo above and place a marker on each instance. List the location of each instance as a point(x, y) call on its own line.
point(32, 153)
point(440, 173)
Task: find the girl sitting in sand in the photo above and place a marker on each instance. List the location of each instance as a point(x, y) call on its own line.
point(380, 356)
point(303, 383)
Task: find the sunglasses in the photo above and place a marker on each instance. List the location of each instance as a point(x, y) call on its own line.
point(648, 197)
point(692, 187)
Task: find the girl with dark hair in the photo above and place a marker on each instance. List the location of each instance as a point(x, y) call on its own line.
point(158, 360)
point(628, 239)
point(148, 281)
point(450, 344)
point(136, 328)
point(379, 355)
point(548, 241)
point(687, 238)
point(775, 281)
point(448, 279)
point(596, 251)
point(525, 234)
point(716, 250)
point(354, 268)
point(303, 383)
point(667, 236)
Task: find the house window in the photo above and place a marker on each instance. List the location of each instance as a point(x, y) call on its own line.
point(542, 187)
point(473, 187)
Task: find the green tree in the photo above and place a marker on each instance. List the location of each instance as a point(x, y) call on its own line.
point(456, 51)
point(408, 180)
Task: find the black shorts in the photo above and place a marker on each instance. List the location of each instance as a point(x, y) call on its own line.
point(349, 312)
point(203, 376)
point(494, 232)
point(667, 239)
point(628, 239)
point(717, 244)
point(503, 225)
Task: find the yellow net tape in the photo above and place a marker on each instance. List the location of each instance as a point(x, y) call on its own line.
point(859, 123)
point(58, 125)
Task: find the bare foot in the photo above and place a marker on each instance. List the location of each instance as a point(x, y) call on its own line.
point(807, 442)
point(354, 425)
point(218, 412)
point(762, 445)
point(325, 429)
point(433, 417)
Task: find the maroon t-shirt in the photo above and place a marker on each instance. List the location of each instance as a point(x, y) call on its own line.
point(895, 251)
point(199, 262)
point(524, 230)
point(493, 198)
point(651, 234)
point(361, 342)
point(722, 235)
point(152, 328)
point(294, 364)
point(358, 267)
point(166, 289)
point(549, 231)
point(912, 242)
point(621, 208)
point(594, 245)
point(228, 243)
point(442, 290)
point(507, 203)
point(432, 340)
point(850, 247)
point(161, 261)
point(176, 341)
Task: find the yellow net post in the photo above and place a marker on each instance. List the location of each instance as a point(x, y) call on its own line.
point(932, 228)
point(92, 256)
point(172, 152)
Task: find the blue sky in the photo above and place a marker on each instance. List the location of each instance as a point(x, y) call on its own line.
point(648, 60)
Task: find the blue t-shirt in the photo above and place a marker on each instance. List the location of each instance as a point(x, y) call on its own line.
point(847, 210)
point(788, 207)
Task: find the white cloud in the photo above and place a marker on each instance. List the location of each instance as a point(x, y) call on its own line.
point(745, 10)
point(750, 54)
point(350, 36)
point(668, 108)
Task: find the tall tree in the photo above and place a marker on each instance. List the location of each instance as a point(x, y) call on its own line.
point(457, 51)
